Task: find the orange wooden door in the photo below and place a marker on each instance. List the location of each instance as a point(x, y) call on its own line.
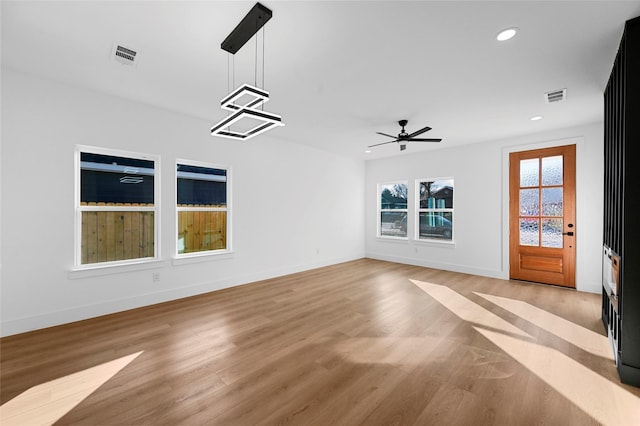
point(542, 227)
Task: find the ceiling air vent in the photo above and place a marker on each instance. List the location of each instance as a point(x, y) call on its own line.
point(124, 55)
point(555, 96)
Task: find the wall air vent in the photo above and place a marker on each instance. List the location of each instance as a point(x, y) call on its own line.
point(124, 55)
point(555, 96)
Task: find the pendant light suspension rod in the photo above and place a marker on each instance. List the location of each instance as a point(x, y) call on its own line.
point(255, 60)
point(263, 34)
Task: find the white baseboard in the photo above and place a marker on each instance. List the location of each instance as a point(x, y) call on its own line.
point(79, 313)
point(593, 286)
point(484, 272)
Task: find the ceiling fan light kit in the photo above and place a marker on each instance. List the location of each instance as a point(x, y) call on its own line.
point(403, 137)
point(254, 96)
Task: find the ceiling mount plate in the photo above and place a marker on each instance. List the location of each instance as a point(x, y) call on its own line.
point(250, 24)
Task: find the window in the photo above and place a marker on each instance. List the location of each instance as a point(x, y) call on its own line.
point(392, 210)
point(202, 208)
point(547, 193)
point(116, 206)
point(435, 209)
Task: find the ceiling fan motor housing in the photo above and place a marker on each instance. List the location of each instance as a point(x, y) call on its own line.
point(403, 134)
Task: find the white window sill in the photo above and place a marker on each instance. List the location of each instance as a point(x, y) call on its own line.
point(202, 257)
point(99, 269)
point(396, 240)
point(436, 243)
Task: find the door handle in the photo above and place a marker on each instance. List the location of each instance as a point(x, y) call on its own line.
point(570, 233)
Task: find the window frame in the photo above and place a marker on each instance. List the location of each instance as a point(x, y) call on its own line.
point(380, 210)
point(227, 209)
point(418, 210)
point(79, 208)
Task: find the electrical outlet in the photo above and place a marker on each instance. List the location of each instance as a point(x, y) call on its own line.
point(156, 277)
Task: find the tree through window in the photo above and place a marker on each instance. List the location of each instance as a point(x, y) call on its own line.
point(392, 210)
point(435, 209)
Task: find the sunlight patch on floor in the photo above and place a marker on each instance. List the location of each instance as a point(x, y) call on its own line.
point(605, 401)
point(467, 310)
point(581, 337)
point(46, 403)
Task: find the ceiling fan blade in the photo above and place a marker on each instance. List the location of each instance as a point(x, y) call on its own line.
point(383, 143)
point(384, 134)
point(419, 132)
point(424, 140)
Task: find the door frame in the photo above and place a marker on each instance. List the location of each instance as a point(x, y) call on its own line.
point(545, 257)
point(506, 150)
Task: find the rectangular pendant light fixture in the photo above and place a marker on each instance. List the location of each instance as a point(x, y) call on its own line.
point(245, 100)
point(259, 97)
point(254, 98)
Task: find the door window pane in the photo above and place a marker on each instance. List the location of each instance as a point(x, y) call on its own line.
point(552, 170)
point(529, 172)
point(541, 183)
point(552, 201)
point(552, 233)
point(529, 232)
point(529, 202)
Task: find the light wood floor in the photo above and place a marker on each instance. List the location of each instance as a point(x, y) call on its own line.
point(364, 342)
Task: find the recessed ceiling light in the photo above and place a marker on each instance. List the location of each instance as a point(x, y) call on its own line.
point(536, 118)
point(368, 151)
point(506, 34)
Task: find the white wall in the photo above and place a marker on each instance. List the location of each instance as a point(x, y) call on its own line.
point(294, 208)
point(284, 204)
point(481, 204)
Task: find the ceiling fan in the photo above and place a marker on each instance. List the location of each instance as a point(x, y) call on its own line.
point(404, 137)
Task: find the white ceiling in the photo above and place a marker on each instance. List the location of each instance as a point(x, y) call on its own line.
point(339, 71)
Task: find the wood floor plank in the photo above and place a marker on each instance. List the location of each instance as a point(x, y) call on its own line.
point(352, 343)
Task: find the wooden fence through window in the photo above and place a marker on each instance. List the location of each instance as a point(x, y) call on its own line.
point(109, 236)
point(116, 235)
point(201, 230)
